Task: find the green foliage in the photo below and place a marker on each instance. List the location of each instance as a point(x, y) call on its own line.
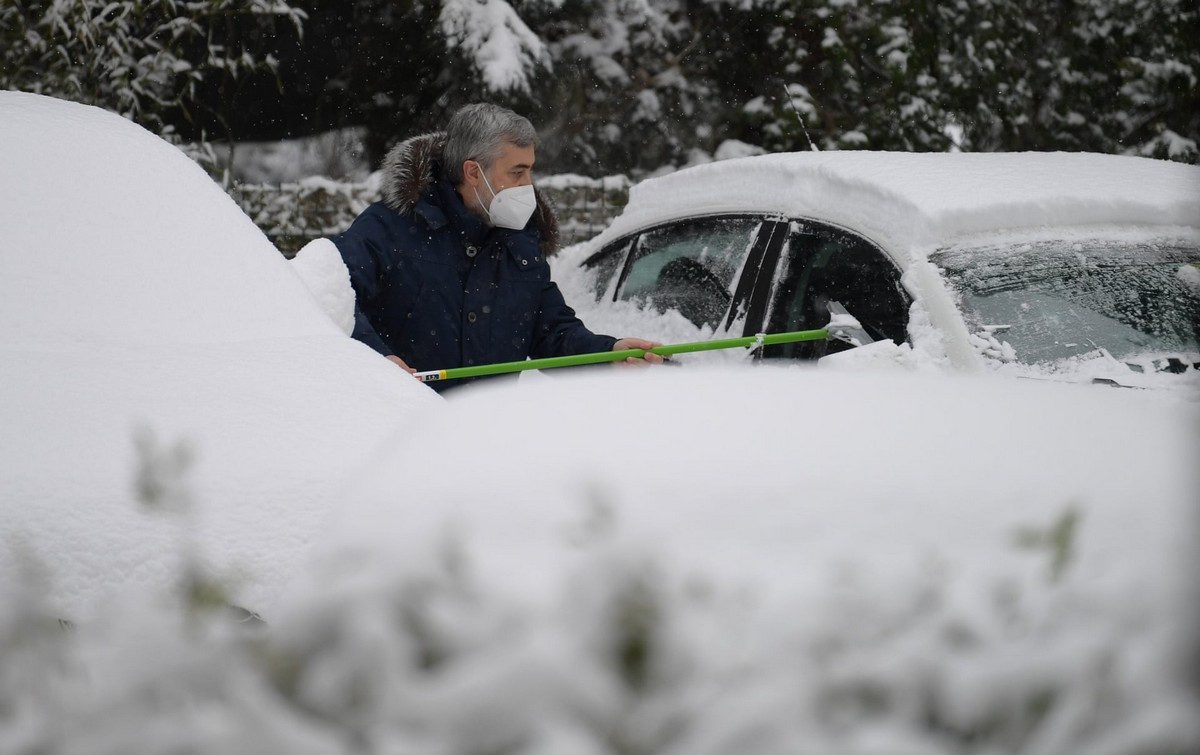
point(637, 85)
point(636, 617)
point(631, 86)
point(856, 74)
point(1058, 540)
point(1098, 75)
point(161, 477)
point(628, 88)
point(392, 69)
point(162, 484)
point(143, 59)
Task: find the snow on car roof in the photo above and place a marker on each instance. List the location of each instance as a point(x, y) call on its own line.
point(77, 176)
point(922, 201)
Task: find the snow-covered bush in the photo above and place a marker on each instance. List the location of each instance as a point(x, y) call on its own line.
point(805, 608)
point(293, 213)
point(635, 657)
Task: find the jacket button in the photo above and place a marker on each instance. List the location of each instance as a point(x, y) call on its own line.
point(524, 262)
point(471, 251)
point(487, 308)
point(470, 317)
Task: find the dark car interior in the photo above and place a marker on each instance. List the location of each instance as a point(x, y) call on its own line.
point(690, 287)
point(824, 267)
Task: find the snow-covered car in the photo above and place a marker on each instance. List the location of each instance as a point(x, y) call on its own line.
point(1083, 265)
point(155, 346)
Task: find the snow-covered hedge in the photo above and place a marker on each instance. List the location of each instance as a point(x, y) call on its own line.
point(499, 611)
point(634, 659)
point(294, 213)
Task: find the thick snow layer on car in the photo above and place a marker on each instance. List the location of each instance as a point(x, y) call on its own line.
point(137, 300)
point(918, 202)
point(320, 266)
point(899, 465)
point(816, 557)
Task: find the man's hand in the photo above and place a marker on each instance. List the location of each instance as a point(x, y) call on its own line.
point(637, 343)
point(397, 360)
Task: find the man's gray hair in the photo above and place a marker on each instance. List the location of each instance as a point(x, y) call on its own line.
point(478, 132)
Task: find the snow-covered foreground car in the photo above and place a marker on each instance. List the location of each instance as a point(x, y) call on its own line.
point(137, 300)
point(1081, 266)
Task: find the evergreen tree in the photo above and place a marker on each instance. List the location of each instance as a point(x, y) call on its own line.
point(626, 90)
point(1114, 76)
point(143, 59)
point(634, 85)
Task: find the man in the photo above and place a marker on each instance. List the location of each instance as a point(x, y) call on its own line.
point(450, 269)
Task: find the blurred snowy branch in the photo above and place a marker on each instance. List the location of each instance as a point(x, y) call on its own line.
point(634, 658)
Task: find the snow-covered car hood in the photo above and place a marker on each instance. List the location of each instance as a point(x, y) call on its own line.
point(918, 202)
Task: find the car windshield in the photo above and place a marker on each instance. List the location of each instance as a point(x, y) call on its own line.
point(1055, 300)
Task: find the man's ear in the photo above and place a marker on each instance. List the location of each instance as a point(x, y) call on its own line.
point(472, 171)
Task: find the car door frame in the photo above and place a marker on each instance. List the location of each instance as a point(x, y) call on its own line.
point(798, 227)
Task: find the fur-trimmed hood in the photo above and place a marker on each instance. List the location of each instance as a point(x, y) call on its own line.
point(408, 171)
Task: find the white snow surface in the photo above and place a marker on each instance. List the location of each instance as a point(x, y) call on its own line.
point(918, 202)
point(760, 455)
point(700, 559)
point(865, 552)
point(135, 297)
point(320, 266)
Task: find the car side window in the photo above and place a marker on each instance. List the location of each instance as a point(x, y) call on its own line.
point(690, 266)
point(825, 265)
point(607, 264)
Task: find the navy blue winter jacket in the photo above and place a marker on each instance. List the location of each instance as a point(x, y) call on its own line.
point(438, 287)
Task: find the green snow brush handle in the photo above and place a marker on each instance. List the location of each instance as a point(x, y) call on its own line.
point(762, 339)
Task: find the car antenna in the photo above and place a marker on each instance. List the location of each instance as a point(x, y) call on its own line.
point(787, 96)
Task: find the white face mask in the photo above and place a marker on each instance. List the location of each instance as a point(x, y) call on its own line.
point(511, 207)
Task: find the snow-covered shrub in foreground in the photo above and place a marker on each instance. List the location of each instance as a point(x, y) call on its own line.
point(634, 657)
point(878, 586)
